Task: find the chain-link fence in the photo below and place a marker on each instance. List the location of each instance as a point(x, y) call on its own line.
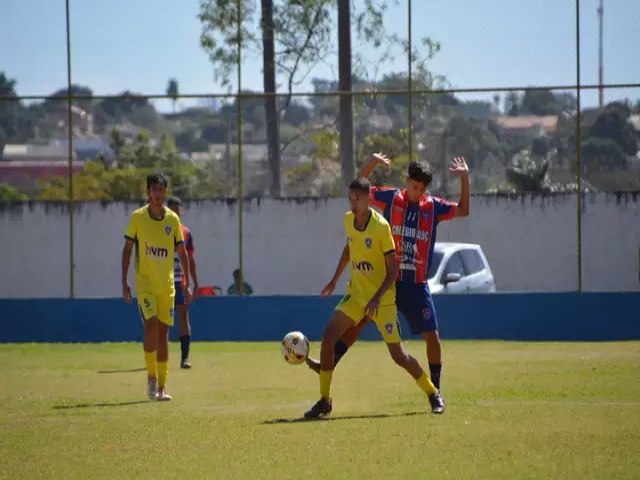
point(261, 112)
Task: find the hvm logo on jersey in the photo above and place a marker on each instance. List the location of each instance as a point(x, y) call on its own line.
point(157, 252)
point(362, 266)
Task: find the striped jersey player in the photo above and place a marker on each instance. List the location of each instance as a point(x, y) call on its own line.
point(414, 216)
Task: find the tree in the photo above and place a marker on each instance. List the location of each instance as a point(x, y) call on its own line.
point(303, 37)
point(269, 81)
point(512, 104)
point(10, 109)
point(172, 92)
point(539, 102)
point(602, 154)
point(612, 124)
point(9, 194)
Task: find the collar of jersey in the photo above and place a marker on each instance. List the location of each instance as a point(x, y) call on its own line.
point(424, 198)
point(156, 219)
point(366, 224)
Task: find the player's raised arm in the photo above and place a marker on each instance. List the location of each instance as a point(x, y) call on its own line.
point(374, 160)
point(342, 264)
point(460, 169)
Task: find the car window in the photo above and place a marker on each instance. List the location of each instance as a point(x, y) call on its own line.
point(472, 261)
point(454, 265)
point(435, 263)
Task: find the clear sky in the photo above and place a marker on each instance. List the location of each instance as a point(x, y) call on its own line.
point(138, 45)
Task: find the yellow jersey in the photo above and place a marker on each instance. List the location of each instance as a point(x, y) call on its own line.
point(155, 242)
point(367, 250)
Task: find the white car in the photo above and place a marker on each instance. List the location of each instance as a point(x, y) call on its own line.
point(460, 268)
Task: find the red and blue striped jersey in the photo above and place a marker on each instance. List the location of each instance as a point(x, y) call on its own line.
point(413, 226)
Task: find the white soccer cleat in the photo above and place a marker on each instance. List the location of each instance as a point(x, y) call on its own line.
point(152, 388)
point(163, 395)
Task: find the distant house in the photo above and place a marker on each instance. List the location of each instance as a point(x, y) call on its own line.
point(528, 125)
point(23, 165)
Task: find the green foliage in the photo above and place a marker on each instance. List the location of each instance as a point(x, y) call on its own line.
point(602, 154)
point(612, 124)
point(396, 146)
point(473, 140)
point(10, 194)
point(134, 161)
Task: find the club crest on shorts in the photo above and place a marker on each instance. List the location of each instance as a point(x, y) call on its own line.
point(426, 313)
point(368, 242)
point(167, 229)
point(425, 215)
point(389, 328)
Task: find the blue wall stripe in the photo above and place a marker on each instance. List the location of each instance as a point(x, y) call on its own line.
point(527, 317)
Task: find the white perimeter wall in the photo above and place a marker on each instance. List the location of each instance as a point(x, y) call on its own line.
point(291, 247)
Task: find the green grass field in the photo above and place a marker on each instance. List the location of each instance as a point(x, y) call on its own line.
point(514, 410)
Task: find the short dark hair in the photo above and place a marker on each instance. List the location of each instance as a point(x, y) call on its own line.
point(236, 272)
point(420, 171)
point(157, 178)
point(174, 202)
point(361, 185)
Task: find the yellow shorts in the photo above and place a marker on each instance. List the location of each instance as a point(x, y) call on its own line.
point(157, 305)
point(386, 321)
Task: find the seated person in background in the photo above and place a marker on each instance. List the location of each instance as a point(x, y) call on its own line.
point(238, 284)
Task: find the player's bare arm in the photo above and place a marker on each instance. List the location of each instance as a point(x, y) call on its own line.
point(342, 264)
point(184, 264)
point(374, 160)
point(459, 168)
point(194, 275)
point(371, 310)
point(126, 258)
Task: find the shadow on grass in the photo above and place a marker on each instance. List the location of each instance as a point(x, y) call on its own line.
point(98, 405)
point(345, 417)
point(130, 370)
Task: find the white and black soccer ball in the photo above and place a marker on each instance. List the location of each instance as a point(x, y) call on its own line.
point(295, 348)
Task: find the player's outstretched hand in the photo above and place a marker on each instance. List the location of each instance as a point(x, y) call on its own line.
point(458, 166)
point(327, 291)
point(126, 293)
point(380, 158)
point(371, 310)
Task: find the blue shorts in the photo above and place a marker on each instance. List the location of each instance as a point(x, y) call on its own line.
point(179, 294)
point(415, 303)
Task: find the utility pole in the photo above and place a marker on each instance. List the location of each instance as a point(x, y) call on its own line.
point(600, 67)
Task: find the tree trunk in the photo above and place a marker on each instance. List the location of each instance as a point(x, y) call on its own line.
point(271, 111)
point(346, 101)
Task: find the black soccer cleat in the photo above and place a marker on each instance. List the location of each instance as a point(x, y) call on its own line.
point(313, 364)
point(321, 408)
point(437, 403)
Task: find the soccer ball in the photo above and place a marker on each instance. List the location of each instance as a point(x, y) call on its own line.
point(295, 348)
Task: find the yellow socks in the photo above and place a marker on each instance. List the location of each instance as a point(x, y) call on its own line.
point(163, 373)
point(425, 384)
point(325, 383)
point(150, 360)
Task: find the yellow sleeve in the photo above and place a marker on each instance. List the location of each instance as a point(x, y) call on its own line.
point(178, 235)
point(132, 229)
point(387, 245)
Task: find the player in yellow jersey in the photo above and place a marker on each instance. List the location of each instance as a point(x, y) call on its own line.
point(370, 294)
point(156, 234)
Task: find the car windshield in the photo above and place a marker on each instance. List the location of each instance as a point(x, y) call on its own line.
point(435, 263)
